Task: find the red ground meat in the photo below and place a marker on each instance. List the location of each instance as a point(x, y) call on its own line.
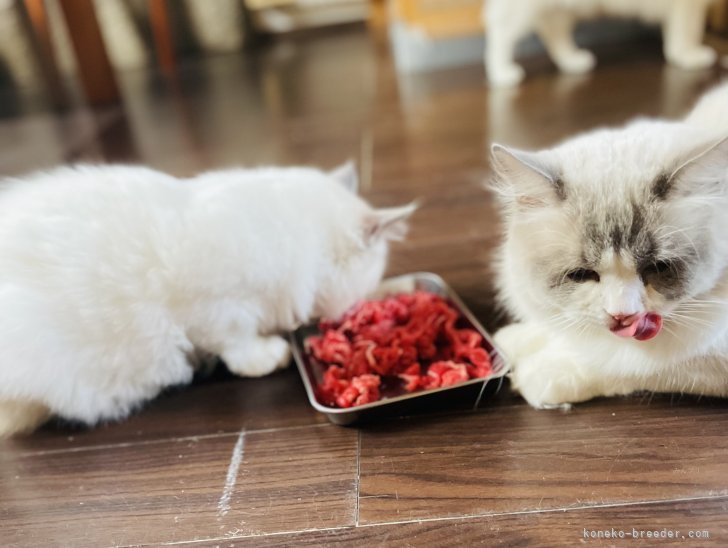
point(412, 338)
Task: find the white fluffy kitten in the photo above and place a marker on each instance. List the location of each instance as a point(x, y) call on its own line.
point(111, 276)
point(507, 21)
point(615, 260)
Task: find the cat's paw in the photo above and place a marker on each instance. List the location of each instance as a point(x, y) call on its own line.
point(281, 351)
point(576, 62)
point(547, 380)
point(545, 377)
point(504, 76)
point(696, 58)
point(258, 357)
point(520, 340)
point(21, 417)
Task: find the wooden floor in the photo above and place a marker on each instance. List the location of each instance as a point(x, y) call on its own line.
point(247, 462)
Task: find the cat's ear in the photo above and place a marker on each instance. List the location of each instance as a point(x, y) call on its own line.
point(346, 175)
point(524, 178)
point(387, 224)
point(704, 172)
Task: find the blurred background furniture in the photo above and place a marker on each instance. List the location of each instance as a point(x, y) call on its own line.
point(47, 41)
point(95, 72)
point(432, 34)
point(718, 20)
point(51, 45)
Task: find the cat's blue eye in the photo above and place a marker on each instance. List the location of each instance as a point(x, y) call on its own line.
point(581, 275)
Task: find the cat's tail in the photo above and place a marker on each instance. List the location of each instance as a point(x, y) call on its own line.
point(18, 417)
point(711, 111)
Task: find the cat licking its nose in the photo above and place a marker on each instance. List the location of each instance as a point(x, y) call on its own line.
point(614, 261)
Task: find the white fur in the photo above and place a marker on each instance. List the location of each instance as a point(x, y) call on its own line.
point(111, 276)
point(507, 21)
point(561, 348)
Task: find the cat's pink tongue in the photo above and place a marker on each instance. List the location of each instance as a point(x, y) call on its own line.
point(643, 328)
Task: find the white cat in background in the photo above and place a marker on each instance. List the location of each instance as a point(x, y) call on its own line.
point(615, 260)
point(507, 21)
point(111, 277)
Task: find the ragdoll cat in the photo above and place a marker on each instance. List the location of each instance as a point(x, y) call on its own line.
point(507, 21)
point(615, 260)
point(112, 276)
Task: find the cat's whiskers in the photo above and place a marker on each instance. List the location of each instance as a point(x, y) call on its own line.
point(687, 321)
point(677, 335)
point(562, 322)
point(697, 312)
point(700, 306)
point(582, 328)
point(706, 302)
point(677, 230)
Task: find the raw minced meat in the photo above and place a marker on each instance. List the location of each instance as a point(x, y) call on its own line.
point(413, 338)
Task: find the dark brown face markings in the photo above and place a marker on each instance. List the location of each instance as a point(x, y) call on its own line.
point(636, 229)
point(616, 237)
point(626, 231)
point(630, 227)
point(661, 186)
point(669, 277)
point(593, 244)
point(629, 230)
point(560, 188)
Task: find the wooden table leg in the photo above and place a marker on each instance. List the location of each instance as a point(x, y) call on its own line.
point(97, 76)
point(37, 20)
point(163, 37)
point(718, 19)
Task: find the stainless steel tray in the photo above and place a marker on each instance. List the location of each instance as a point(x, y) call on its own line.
point(466, 395)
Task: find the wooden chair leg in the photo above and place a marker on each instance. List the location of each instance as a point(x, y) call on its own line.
point(37, 20)
point(97, 75)
point(163, 36)
point(718, 19)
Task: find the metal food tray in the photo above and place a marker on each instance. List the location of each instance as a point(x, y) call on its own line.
point(466, 395)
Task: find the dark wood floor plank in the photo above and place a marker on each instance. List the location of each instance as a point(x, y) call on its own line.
point(180, 490)
point(295, 479)
point(704, 519)
point(43, 140)
point(224, 404)
point(520, 459)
